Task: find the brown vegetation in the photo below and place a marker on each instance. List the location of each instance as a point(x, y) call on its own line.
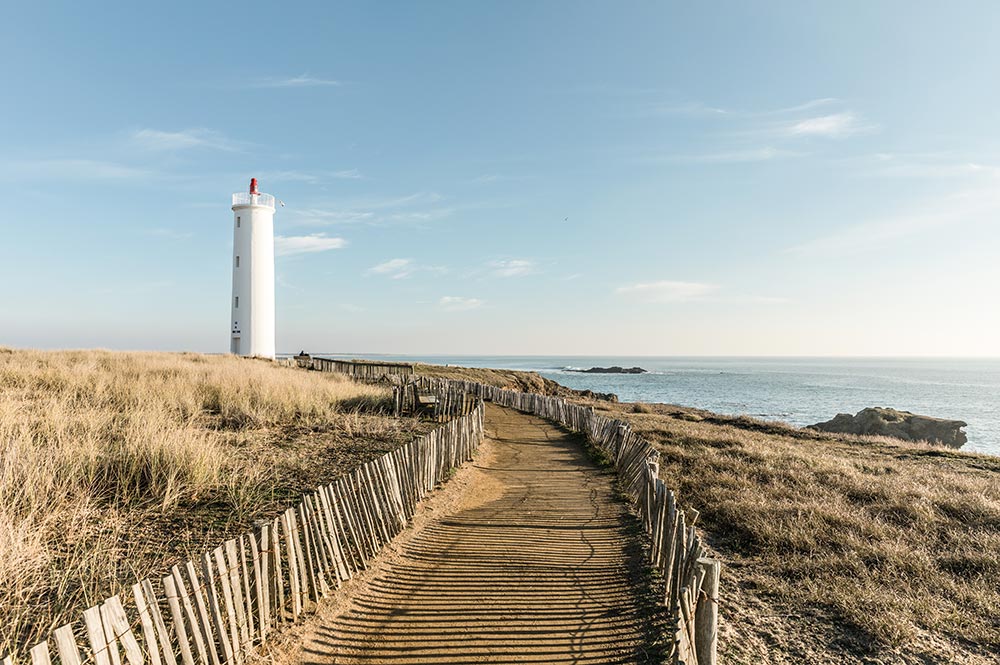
point(114, 466)
point(528, 382)
point(835, 548)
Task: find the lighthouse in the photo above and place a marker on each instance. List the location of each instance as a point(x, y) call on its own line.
point(252, 322)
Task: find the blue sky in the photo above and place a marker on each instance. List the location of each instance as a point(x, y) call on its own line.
point(642, 178)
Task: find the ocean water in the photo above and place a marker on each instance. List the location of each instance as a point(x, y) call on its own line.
point(800, 391)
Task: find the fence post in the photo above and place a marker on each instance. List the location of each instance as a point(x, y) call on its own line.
point(706, 619)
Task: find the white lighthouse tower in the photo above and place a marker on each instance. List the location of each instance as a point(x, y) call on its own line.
point(252, 330)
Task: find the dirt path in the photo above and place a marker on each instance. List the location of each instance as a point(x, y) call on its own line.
point(533, 563)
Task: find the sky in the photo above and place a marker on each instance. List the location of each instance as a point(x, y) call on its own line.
point(605, 178)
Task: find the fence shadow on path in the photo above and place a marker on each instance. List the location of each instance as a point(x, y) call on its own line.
point(551, 571)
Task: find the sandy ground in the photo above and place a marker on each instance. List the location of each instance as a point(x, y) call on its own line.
point(526, 556)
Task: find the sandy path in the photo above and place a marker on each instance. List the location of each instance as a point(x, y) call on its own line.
point(532, 563)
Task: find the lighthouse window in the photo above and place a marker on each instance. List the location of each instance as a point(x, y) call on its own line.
point(237, 261)
point(237, 302)
point(237, 222)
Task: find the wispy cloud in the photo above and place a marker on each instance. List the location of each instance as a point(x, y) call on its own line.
point(512, 267)
point(489, 178)
point(73, 169)
point(682, 108)
point(415, 216)
point(403, 268)
point(746, 136)
point(417, 198)
point(156, 139)
point(312, 178)
point(322, 217)
point(300, 81)
point(410, 209)
point(980, 204)
point(740, 156)
point(764, 154)
point(805, 106)
point(459, 303)
point(667, 291)
point(925, 166)
point(703, 109)
point(393, 268)
point(834, 125)
point(317, 242)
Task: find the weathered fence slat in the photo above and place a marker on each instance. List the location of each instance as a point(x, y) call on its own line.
point(109, 635)
point(307, 552)
point(146, 621)
point(300, 558)
point(197, 632)
point(173, 601)
point(198, 596)
point(706, 622)
point(66, 646)
point(162, 635)
point(247, 597)
point(236, 587)
point(227, 597)
point(292, 557)
point(330, 530)
point(215, 608)
point(40, 654)
point(278, 598)
point(258, 589)
point(123, 631)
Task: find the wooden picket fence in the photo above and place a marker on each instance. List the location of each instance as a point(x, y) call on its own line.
point(363, 370)
point(690, 577)
point(434, 398)
point(219, 609)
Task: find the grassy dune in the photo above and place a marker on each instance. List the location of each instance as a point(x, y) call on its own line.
point(115, 465)
point(503, 378)
point(836, 549)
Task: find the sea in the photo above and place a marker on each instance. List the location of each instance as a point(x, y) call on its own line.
point(798, 391)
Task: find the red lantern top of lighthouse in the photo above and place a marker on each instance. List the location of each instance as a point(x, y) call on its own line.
point(253, 198)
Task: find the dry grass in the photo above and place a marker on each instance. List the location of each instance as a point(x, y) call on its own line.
point(113, 465)
point(839, 549)
point(502, 378)
point(530, 382)
point(836, 549)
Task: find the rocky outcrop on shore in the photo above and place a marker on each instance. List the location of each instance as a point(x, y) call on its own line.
point(899, 424)
point(611, 370)
point(590, 394)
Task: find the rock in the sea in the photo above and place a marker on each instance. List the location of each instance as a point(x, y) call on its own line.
point(899, 424)
point(613, 370)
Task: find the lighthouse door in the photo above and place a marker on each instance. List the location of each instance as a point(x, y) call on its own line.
point(235, 346)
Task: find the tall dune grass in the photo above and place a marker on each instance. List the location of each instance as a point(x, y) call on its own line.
point(886, 547)
point(109, 459)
